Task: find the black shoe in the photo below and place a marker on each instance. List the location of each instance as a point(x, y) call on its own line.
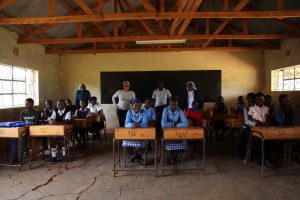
point(140, 161)
point(133, 158)
point(53, 159)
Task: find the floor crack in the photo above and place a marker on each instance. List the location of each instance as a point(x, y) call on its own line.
point(87, 188)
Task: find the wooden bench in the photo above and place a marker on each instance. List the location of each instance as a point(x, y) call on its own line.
point(190, 133)
point(14, 133)
point(140, 134)
point(274, 133)
point(50, 131)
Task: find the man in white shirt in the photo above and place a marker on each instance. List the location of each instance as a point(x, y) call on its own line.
point(161, 96)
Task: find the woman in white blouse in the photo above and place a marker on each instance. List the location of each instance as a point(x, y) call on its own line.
point(126, 98)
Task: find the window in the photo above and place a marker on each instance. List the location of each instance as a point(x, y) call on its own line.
point(286, 79)
point(17, 84)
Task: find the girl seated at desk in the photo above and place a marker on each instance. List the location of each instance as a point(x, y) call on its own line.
point(194, 115)
point(81, 113)
point(173, 116)
point(61, 115)
point(136, 118)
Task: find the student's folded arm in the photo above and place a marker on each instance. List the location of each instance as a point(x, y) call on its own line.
point(68, 116)
point(164, 120)
point(153, 115)
point(184, 122)
point(128, 121)
point(144, 123)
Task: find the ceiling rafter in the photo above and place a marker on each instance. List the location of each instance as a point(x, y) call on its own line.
point(163, 37)
point(89, 11)
point(144, 24)
point(149, 15)
point(6, 3)
point(239, 7)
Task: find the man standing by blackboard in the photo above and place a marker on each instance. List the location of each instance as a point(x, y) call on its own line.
point(161, 96)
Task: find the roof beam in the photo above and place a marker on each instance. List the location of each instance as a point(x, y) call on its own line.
point(88, 51)
point(144, 24)
point(51, 8)
point(187, 21)
point(162, 37)
point(6, 3)
point(239, 7)
point(149, 15)
point(147, 5)
point(89, 11)
point(181, 6)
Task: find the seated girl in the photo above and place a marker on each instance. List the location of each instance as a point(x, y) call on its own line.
point(96, 109)
point(81, 113)
point(173, 116)
point(194, 115)
point(219, 126)
point(149, 108)
point(135, 118)
point(61, 115)
point(257, 116)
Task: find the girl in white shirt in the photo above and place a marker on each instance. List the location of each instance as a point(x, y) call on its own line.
point(126, 98)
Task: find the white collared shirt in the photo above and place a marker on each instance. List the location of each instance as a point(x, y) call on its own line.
point(61, 112)
point(258, 113)
point(94, 108)
point(190, 98)
point(161, 96)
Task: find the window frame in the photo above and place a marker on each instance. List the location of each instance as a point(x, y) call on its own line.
point(279, 80)
point(35, 86)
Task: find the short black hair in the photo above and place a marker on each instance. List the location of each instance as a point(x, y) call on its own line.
point(173, 98)
point(282, 96)
point(250, 95)
point(93, 98)
point(268, 97)
point(48, 101)
point(61, 101)
point(259, 94)
point(29, 100)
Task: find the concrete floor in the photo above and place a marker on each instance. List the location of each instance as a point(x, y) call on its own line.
point(90, 177)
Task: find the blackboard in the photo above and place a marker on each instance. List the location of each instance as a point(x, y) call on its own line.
point(208, 83)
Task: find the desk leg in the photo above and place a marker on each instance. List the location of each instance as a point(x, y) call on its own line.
point(145, 154)
point(262, 157)
point(182, 157)
point(162, 157)
point(124, 157)
point(114, 157)
point(197, 153)
point(119, 158)
point(204, 148)
point(20, 162)
point(155, 156)
point(290, 153)
point(250, 142)
point(66, 166)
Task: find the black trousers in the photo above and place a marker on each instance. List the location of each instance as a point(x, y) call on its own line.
point(121, 116)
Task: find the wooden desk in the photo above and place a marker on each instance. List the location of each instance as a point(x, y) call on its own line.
point(222, 117)
point(81, 123)
point(14, 133)
point(190, 133)
point(48, 131)
point(144, 134)
point(287, 133)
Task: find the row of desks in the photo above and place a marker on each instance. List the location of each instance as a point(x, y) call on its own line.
point(44, 131)
point(149, 134)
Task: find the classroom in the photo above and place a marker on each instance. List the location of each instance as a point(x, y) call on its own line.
point(153, 99)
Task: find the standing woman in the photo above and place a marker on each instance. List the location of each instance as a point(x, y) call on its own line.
point(82, 94)
point(126, 97)
point(191, 95)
